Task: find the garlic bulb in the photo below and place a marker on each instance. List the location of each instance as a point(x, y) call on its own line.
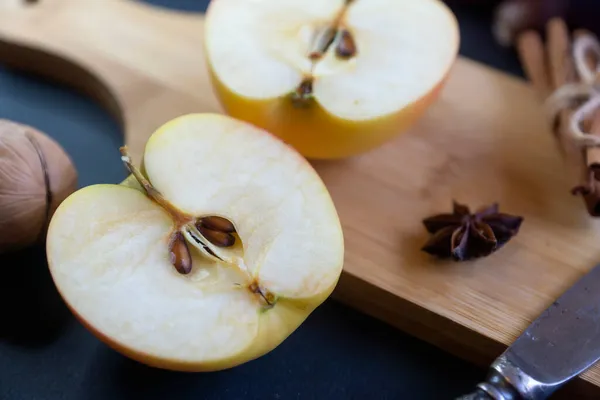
point(36, 175)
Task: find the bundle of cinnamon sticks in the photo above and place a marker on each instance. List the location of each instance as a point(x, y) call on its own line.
point(563, 69)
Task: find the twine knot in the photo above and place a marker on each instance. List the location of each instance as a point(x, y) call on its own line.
point(585, 93)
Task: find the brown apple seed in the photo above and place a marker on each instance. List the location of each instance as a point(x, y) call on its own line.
point(218, 238)
point(217, 224)
point(346, 47)
point(179, 253)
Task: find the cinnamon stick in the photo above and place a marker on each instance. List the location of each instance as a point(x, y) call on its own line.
point(532, 54)
point(591, 172)
point(593, 124)
point(593, 153)
point(549, 68)
point(562, 72)
point(559, 47)
point(560, 64)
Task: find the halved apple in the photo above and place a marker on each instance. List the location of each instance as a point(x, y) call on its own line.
point(332, 78)
point(230, 241)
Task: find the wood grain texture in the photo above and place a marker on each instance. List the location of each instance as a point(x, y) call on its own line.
point(484, 140)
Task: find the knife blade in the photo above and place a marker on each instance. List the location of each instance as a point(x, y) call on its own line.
point(560, 344)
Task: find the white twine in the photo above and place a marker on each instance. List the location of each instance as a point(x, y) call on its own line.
point(588, 91)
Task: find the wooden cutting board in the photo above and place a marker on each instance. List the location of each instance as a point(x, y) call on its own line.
point(485, 140)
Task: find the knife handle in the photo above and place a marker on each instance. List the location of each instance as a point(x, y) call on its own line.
point(495, 387)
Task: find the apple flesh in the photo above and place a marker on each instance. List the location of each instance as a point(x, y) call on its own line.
point(108, 247)
point(332, 78)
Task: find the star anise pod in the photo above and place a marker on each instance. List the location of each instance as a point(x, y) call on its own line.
point(463, 235)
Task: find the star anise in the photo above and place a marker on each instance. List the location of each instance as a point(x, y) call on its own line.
point(463, 235)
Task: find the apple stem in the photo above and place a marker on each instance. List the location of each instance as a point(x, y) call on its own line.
point(151, 191)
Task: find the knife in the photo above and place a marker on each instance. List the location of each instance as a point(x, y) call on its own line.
point(560, 344)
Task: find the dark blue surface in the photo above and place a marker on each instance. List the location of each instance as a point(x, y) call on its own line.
point(336, 354)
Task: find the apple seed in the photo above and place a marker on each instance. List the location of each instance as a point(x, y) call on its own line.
point(179, 253)
point(218, 238)
point(346, 47)
point(217, 223)
point(325, 38)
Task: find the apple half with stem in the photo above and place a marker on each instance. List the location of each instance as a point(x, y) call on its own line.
point(332, 78)
point(226, 246)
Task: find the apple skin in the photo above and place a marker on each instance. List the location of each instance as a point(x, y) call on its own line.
point(314, 132)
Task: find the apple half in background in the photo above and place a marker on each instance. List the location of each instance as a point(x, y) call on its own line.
point(111, 255)
point(332, 78)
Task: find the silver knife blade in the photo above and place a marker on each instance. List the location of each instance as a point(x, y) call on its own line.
point(560, 344)
point(565, 339)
